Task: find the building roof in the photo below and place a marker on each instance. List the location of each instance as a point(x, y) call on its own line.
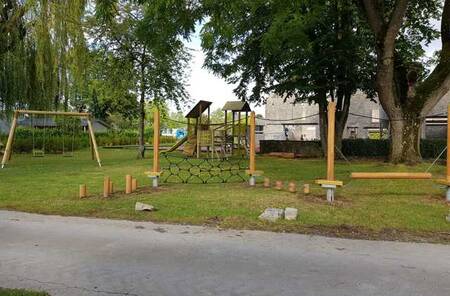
point(198, 109)
point(237, 106)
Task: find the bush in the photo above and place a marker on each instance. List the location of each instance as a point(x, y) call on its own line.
point(430, 149)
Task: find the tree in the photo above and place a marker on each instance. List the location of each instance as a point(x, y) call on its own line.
point(133, 34)
point(406, 93)
point(310, 50)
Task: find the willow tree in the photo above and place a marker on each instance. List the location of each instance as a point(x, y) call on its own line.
point(41, 53)
point(405, 91)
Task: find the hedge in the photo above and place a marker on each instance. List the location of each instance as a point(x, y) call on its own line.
point(430, 149)
point(55, 139)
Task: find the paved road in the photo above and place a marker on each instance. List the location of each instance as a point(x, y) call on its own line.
point(78, 256)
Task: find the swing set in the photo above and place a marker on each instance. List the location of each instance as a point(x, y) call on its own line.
point(41, 150)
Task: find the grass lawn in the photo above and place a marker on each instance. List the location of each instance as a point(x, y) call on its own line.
point(412, 210)
point(20, 292)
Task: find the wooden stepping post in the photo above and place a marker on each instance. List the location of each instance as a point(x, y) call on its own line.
point(133, 185)
point(111, 187)
point(106, 182)
point(128, 180)
point(279, 185)
point(266, 182)
point(292, 187)
point(306, 189)
point(83, 191)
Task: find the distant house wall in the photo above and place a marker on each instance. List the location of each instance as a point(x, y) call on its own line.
point(366, 120)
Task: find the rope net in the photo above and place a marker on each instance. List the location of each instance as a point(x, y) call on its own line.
point(178, 169)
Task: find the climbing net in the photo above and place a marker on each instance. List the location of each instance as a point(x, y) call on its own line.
point(179, 169)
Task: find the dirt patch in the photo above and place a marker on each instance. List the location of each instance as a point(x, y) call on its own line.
point(339, 201)
point(213, 221)
point(436, 199)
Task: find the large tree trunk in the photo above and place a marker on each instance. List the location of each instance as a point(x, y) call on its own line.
point(406, 101)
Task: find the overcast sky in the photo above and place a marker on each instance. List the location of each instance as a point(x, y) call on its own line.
point(203, 85)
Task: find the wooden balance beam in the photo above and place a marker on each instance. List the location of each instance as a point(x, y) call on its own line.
point(391, 176)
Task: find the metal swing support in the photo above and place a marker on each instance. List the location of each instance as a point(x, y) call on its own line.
point(9, 144)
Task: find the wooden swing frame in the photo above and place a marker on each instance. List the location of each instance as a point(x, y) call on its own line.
point(92, 141)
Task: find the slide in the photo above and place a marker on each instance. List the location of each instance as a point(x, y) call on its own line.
point(178, 144)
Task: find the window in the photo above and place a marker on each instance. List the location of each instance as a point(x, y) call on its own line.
point(259, 129)
point(375, 115)
point(352, 132)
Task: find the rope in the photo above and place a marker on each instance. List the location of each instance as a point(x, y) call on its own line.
point(437, 158)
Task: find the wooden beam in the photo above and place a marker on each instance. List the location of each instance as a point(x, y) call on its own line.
point(391, 175)
point(79, 114)
point(252, 165)
point(156, 128)
point(448, 142)
point(330, 140)
point(94, 142)
point(330, 182)
point(8, 148)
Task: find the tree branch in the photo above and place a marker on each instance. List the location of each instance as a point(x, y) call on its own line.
point(437, 83)
point(374, 18)
point(396, 20)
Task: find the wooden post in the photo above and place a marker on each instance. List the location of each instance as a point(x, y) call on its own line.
point(133, 185)
point(199, 124)
point(306, 188)
point(252, 165)
point(448, 143)
point(266, 182)
point(94, 142)
point(156, 128)
point(330, 141)
point(292, 187)
point(83, 191)
point(111, 187)
point(106, 182)
point(8, 148)
point(278, 185)
point(128, 187)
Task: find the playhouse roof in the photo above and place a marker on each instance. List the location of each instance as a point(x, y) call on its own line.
point(198, 109)
point(237, 106)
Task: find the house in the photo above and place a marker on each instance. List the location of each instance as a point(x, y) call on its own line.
point(286, 120)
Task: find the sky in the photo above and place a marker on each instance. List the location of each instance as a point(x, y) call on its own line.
point(204, 85)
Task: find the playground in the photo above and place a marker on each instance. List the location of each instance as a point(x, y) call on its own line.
point(408, 210)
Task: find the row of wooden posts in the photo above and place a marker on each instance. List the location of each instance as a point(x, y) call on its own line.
point(292, 186)
point(108, 187)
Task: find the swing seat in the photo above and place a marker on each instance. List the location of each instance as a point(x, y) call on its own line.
point(38, 153)
point(67, 154)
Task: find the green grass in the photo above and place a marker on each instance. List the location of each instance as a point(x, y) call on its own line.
point(373, 209)
point(20, 292)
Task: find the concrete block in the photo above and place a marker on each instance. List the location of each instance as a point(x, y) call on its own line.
point(290, 213)
point(143, 207)
point(272, 214)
